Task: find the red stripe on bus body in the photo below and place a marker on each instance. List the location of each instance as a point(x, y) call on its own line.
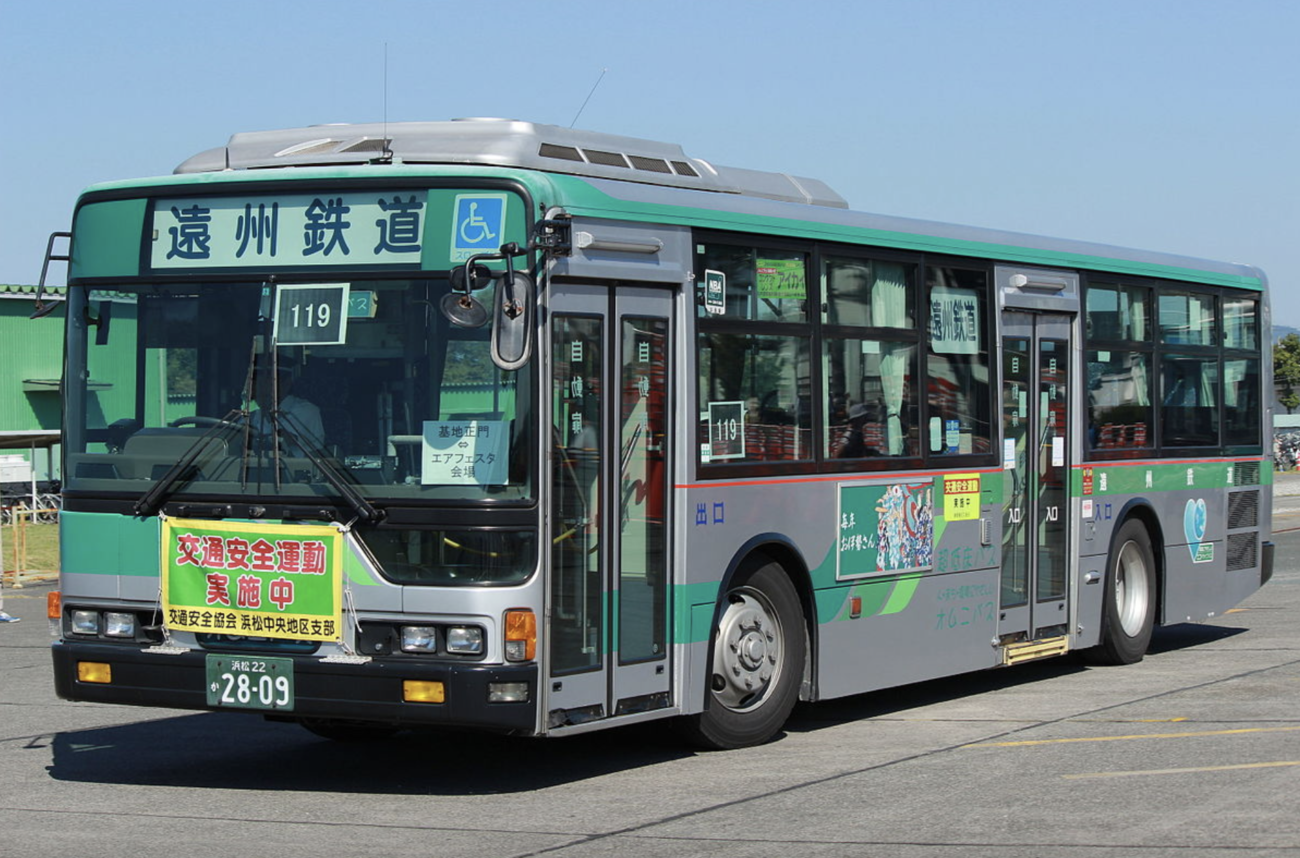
point(824, 478)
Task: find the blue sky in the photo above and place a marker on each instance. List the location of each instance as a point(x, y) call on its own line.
point(1171, 126)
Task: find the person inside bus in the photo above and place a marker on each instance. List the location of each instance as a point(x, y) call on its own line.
point(301, 417)
point(855, 445)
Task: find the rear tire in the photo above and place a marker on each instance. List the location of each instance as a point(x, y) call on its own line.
point(758, 649)
point(1129, 612)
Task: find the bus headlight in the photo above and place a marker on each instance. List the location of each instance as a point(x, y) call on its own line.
point(465, 639)
point(119, 625)
point(85, 622)
point(419, 639)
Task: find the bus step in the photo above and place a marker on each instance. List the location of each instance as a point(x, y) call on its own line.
point(1018, 653)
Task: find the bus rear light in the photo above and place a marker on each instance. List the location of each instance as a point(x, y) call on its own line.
point(521, 635)
point(465, 639)
point(423, 691)
point(94, 671)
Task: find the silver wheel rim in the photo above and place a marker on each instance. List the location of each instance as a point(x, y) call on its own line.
point(1131, 593)
point(748, 655)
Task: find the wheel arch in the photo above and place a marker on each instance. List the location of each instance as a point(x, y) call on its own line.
point(1142, 510)
point(779, 549)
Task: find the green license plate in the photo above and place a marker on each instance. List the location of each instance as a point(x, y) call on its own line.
point(249, 682)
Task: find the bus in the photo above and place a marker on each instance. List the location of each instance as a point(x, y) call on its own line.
point(505, 426)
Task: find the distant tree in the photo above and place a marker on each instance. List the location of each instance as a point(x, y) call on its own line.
point(1286, 371)
point(182, 370)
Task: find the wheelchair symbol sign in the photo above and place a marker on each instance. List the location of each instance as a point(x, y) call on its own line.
point(478, 226)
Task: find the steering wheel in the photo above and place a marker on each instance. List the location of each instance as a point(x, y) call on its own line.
point(196, 420)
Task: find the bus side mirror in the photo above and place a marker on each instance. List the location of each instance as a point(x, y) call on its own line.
point(101, 323)
point(512, 320)
point(459, 305)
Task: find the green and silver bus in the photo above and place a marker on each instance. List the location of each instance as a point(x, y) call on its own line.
point(507, 426)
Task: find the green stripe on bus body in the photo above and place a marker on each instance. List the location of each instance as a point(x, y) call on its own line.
point(694, 614)
point(1103, 479)
point(92, 543)
point(880, 597)
point(583, 199)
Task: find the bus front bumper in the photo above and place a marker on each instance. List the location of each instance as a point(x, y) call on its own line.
point(371, 691)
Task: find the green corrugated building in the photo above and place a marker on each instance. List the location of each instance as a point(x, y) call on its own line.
point(31, 364)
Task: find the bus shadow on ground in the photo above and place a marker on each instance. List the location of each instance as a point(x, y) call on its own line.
point(225, 751)
point(809, 717)
point(218, 750)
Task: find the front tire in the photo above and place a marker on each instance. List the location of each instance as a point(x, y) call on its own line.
point(1129, 613)
point(758, 650)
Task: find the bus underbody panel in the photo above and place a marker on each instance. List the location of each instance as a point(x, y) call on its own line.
point(363, 692)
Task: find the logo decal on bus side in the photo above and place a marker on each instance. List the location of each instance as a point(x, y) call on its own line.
point(1195, 516)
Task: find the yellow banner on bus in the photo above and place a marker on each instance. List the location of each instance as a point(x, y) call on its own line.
point(961, 497)
point(252, 579)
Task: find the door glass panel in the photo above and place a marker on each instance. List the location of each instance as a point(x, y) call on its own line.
point(1015, 433)
point(575, 477)
point(643, 491)
point(1053, 518)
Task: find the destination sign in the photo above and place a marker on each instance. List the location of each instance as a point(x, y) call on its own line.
point(333, 228)
point(339, 226)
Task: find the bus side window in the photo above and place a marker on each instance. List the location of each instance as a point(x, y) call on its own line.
point(958, 387)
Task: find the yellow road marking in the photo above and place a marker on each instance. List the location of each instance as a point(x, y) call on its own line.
point(1188, 735)
point(1183, 771)
point(1127, 720)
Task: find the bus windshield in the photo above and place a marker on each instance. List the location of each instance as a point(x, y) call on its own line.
point(266, 386)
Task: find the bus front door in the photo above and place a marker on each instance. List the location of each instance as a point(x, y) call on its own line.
point(1036, 388)
point(610, 565)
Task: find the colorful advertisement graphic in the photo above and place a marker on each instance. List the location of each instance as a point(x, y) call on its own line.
point(253, 579)
point(885, 529)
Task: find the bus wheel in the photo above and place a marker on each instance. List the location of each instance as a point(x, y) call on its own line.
point(758, 658)
point(347, 731)
point(1129, 614)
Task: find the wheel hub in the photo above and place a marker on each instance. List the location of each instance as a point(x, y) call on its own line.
point(747, 656)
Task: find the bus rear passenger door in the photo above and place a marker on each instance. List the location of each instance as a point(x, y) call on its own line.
point(610, 396)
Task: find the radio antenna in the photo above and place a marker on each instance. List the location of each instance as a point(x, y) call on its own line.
point(589, 95)
point(387, 153)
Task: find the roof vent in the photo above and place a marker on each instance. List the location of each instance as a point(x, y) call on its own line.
point(605, 159)
point(654, 165)
point(564, 153)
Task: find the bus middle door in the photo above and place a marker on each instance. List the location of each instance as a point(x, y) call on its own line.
point(1036, 507)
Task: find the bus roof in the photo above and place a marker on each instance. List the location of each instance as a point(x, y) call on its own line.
point(504, 143)
point(605, 175)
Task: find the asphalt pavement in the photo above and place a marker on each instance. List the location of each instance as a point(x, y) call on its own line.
point(1195, 751)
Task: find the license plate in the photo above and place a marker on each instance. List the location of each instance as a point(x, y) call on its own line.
point(249, 682)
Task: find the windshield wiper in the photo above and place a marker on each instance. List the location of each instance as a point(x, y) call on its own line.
point(183, 469)
point(294, 431)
